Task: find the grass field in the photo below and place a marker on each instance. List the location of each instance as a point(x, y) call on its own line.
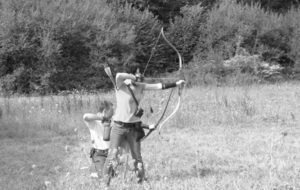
point(221, 138)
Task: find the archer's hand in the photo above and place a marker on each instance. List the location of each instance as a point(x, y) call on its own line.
point(128, 82)
point(180, 83)
point(151, 127)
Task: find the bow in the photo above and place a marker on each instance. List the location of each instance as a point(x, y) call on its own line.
point(160, 123)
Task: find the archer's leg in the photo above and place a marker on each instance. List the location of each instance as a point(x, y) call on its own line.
point(99, 159)
point(135, 147)
point(116, 138)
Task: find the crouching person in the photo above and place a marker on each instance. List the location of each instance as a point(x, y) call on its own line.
point(99, 127)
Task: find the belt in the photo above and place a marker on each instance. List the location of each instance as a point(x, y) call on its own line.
point(98, 152)
point(129, 125)
point(101, 151)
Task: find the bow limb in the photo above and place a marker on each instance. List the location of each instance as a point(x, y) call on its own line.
point(161, 117)
point(160, 125)
point(180, 89)
point(170, 44)
point(173, 47)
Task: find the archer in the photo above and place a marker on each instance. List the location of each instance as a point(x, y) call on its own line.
point(127, 125)
point(98, 125)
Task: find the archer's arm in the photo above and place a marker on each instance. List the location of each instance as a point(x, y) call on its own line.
point(91, 117)
point(121, 77)
point(161, 86)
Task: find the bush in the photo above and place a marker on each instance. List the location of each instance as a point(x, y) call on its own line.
point(49, 46)
point(184, 31)
point(232, 27)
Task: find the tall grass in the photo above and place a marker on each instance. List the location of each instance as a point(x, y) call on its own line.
point(45, 115)
point(221, 138)
point(231, 106)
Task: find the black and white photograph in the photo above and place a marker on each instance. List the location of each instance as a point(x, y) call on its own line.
point(150, 94)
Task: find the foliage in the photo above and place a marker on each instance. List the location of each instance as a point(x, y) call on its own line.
point(49, 46)
point(274, 5)
point(233, 28)
point(184, 31)
point(166, 10)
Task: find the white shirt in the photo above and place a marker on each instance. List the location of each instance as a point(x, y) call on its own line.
point(126, 105)
point(96, 130)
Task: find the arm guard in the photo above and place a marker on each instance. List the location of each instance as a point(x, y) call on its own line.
point(168, 85)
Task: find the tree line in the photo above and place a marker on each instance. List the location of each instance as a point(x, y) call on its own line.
point(48, 46)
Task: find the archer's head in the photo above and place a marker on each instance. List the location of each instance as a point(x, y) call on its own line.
point(135, 70)
point(105, 110)
point(139, 76)
point(130, 68)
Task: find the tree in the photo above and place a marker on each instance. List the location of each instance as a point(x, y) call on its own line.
point(165, 10)
point(274, 5)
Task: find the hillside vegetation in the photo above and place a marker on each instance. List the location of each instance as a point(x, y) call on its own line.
point(51, 46)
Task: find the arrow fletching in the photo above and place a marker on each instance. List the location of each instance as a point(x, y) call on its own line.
point(109, 74)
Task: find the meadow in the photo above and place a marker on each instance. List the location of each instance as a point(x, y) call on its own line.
point(242, 137)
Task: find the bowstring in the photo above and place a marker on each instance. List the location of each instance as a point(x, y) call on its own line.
point(152, 53)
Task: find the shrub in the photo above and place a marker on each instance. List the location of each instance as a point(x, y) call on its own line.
point(232, 27)
point(49, 46)
point(184, 31)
